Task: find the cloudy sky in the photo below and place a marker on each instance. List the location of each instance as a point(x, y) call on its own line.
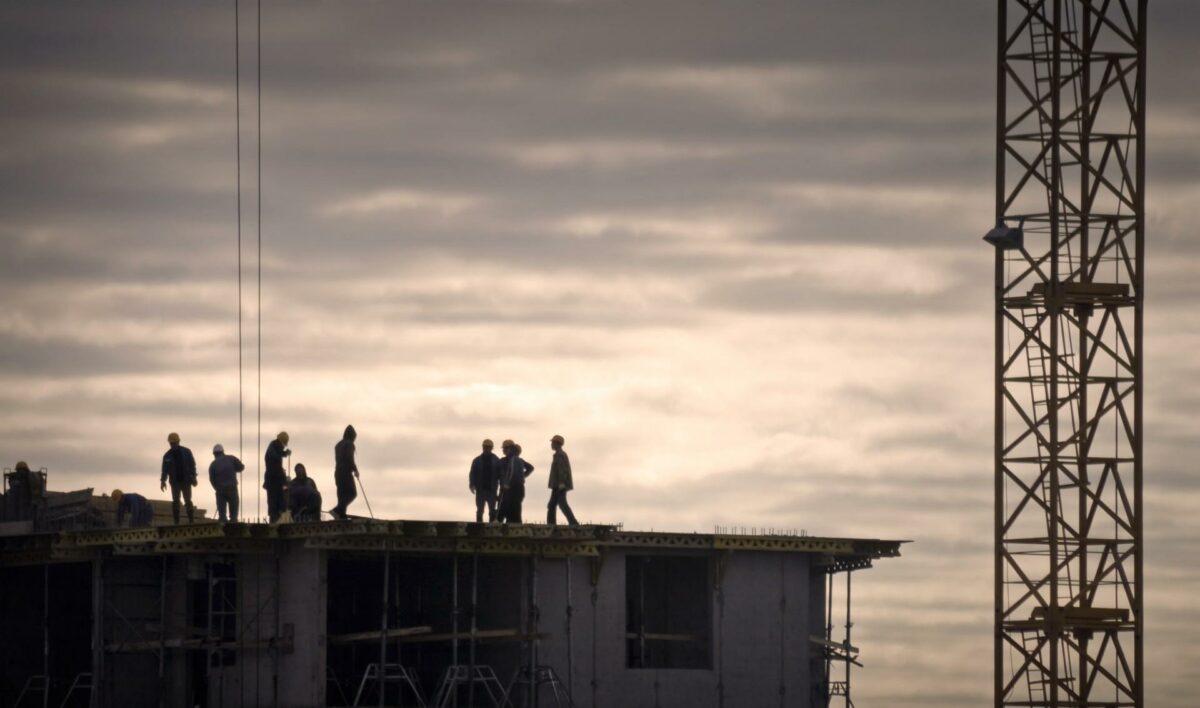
point(731, 252)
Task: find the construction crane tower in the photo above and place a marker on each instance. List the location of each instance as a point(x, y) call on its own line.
point(1069, 273)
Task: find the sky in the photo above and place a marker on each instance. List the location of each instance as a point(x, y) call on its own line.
point(729, 251)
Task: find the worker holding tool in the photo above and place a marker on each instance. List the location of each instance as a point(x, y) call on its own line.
point(483, 480)
point(179, 468)
point(275, 478)
point(560, 483)
point(223, 474)
point(345, 471)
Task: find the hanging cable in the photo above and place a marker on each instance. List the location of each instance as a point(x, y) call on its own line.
point(237, 84)
point(258, 314)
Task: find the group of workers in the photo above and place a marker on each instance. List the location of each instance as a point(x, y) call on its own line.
point(296, 495)
point(498, 483)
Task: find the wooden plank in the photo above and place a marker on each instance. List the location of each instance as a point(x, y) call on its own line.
point(376, 634)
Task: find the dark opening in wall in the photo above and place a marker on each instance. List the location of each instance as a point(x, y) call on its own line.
point(220, 606)
point(668, 612)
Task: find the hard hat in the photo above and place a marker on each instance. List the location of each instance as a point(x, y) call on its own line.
point(218, 449)
point(283, 437)
point(117, 494)
point(488, 443)
point(506, 444)
point(557, 439)
point(23, 466)
point(173, 438)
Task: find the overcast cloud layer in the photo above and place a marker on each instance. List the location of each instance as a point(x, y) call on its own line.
point(729, 250)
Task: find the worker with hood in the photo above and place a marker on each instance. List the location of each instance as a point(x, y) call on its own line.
point(136, 507)
point(304, 501)
point(483, 480)
point(560, 483)
point(223, 474)
point(345, 471)
point(179, 468)
point(275, 478)
point(513, 471)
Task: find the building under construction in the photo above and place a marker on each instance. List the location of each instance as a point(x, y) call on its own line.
point(423, 613)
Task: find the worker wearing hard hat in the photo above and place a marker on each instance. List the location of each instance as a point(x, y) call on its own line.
point(345, 471)
point(513, 471)
point(223, 474)
point(136, 506)
point(179, 468)
point(483, 480)
point(274, 478)
point(560, 483)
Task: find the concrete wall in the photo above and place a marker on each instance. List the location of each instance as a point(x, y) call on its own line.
point(763, 611)
point(762, 617)
point(265, 676)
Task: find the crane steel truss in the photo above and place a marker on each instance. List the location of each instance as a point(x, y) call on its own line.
point(1069, 291)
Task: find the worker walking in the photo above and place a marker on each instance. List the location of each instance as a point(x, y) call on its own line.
point(304, 501)
point(274, 478)
point(345, 471)
point(560, 483)
point(483, 480)
point(223, 474)
point(179, 468)
point(513, 471)
point(137, 508)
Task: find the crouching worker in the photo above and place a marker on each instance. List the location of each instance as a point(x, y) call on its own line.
point(304, 501)
point(223, 472)
point(135, 506)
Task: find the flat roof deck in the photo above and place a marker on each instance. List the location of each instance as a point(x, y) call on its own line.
point(416, 536)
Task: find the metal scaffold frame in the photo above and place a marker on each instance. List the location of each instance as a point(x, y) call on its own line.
point(1070, 178)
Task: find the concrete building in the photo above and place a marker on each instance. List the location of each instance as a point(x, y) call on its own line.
point(299, 614)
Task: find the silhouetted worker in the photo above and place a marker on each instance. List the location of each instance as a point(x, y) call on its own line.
point(513, 471)
point(136, 506)
point(223, 473)
point(304, 501)
point(179, 468)
point(344, 472)
point(274, 478)
point(483, 481)
point(560, 483)
point(26, 498)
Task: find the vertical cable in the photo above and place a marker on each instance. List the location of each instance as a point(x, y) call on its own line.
point(258, 439)
point(237, 83)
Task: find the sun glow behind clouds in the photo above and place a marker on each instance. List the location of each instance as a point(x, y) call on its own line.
point(731, 256)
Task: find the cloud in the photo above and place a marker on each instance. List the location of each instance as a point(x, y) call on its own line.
point(733, 256)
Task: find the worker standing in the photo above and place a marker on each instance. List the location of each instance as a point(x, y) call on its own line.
point(304, 501)
point(26, 498)
point(274, 478)
point(513, 471)
point(345, 471)
point(560, 483)
point(223, 474)
point(179, 468)
point(483, 480)
point(137, 507)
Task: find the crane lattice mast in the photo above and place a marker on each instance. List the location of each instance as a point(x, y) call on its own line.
point(1069, 270)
